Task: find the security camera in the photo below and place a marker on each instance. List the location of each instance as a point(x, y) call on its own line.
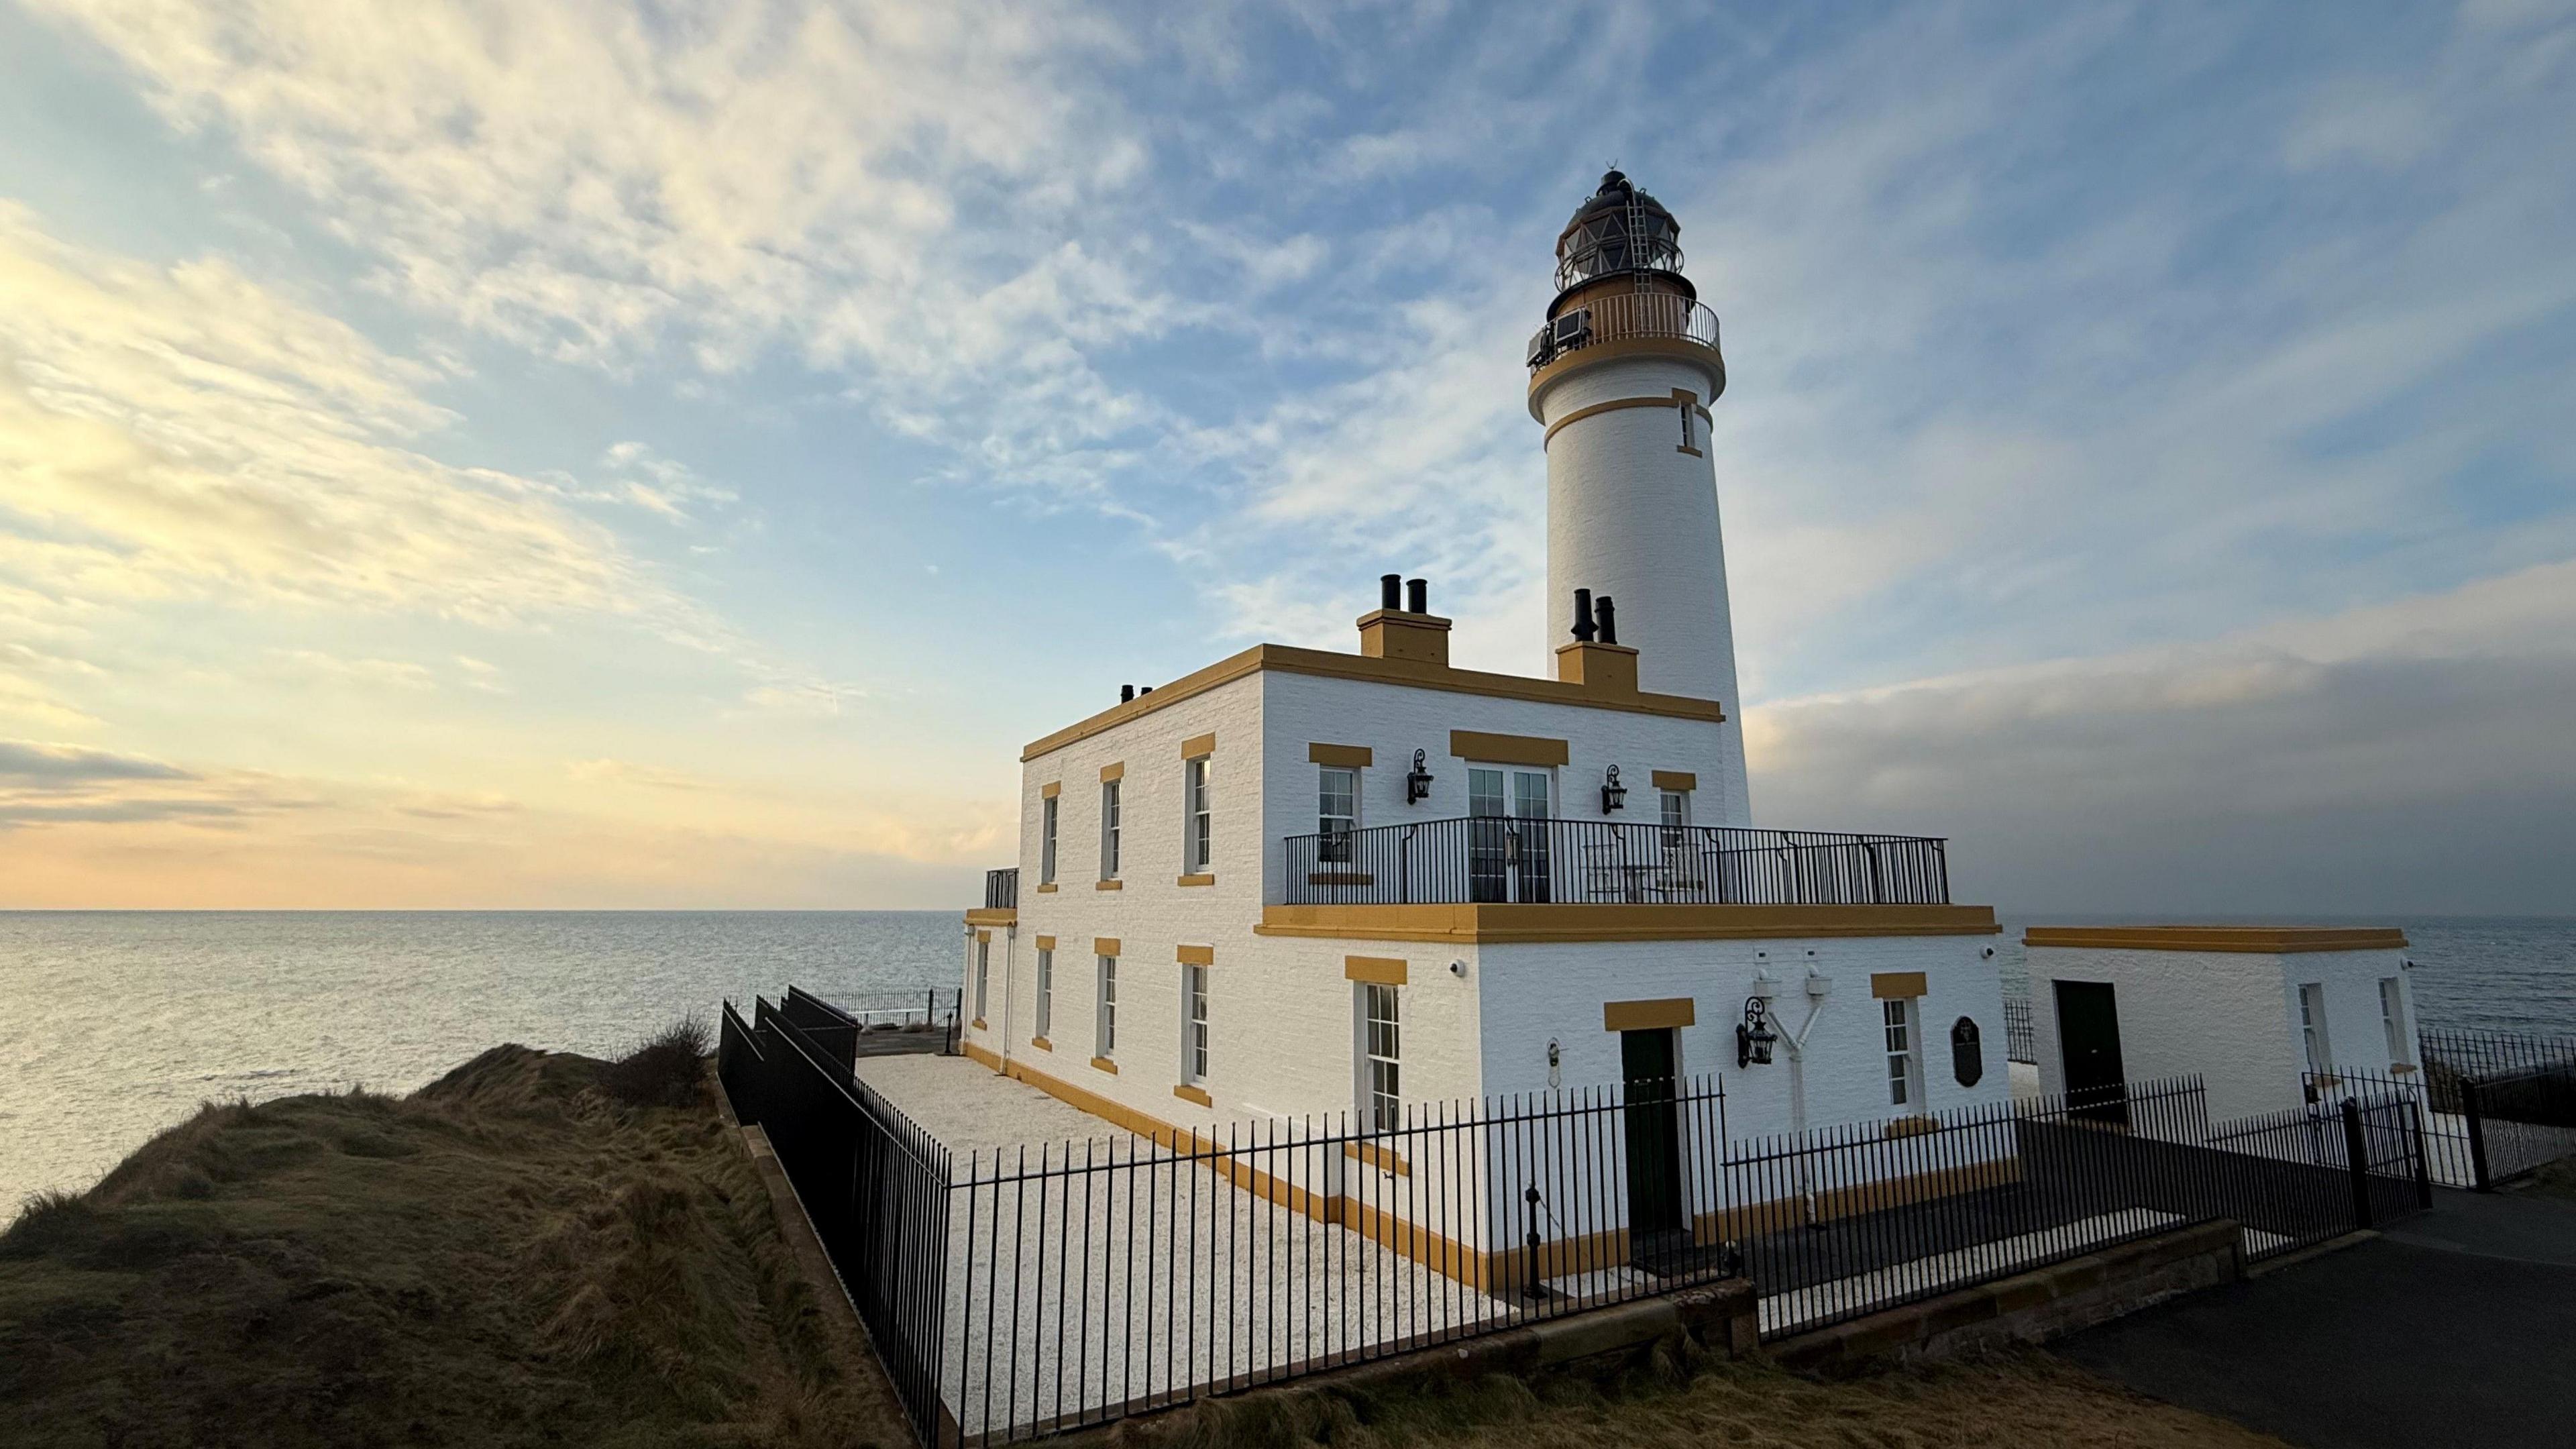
point(1457, 968)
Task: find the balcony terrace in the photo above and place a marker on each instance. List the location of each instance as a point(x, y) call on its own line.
point(1504, 860)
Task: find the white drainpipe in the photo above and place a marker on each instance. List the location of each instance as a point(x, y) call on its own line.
point(1819, 987)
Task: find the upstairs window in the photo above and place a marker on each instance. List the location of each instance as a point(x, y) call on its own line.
point(1199, 849)
point(1674, 808)
point(1109, 829)
point(1046, 841)
point(1337, 813)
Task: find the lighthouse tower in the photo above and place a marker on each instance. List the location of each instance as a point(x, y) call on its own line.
point(1623, 376)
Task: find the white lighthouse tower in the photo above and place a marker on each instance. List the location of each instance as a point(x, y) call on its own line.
point(1622, 376)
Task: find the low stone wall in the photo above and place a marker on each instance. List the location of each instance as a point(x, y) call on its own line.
point(2030, 1307)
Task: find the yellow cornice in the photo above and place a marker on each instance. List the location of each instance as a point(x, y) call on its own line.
point(993, 916)
point(1406, 673)
point(1620, 922)
point(1698, 354)
point(2265, 940)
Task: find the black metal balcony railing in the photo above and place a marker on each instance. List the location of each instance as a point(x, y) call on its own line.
point(1500, 859)
point(1002, 889)
point(1620, 316)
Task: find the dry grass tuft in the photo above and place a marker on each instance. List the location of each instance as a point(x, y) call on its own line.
point(667, 1070)
point(510, 1256)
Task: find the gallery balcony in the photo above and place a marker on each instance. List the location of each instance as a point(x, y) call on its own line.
point(1501, 860)
point(1623, 317)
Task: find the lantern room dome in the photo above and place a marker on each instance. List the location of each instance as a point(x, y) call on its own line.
point(1619, 230)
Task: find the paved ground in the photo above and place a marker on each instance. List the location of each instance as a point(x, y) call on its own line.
point(2457, 1327)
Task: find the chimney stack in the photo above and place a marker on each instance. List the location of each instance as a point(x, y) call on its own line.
point(1126, 692)
point(1609, 617)
point(1583, 630)
point(1403, 628)
point(1596, 659)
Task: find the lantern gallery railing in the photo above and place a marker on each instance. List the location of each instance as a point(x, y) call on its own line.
point(1002, 888)
point(1498, 859)
point(1620, 317)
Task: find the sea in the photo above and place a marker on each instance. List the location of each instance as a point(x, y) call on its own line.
point(117, 1024)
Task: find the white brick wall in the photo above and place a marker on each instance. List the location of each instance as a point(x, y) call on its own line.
point(1630, 515)
point(2231, 1017)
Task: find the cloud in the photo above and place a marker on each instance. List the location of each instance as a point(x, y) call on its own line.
point(56, 785)
point(2404, 757)
point(182, 433)
point(30, 764)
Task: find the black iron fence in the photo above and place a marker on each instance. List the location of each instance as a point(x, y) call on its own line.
point(1496, 859)
point(1068, 1284)
point(874, 1185)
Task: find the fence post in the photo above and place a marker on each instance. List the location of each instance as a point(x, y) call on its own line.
point(2477, 1132)
point(2356, 1160)
point(2423, 1153)
point(1531, 1287)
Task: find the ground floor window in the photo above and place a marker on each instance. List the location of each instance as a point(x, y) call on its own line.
point(1904, 1057)
point(983, 974)
point(2392, 1019)
point(1194, 1024)
point(1046, 990)
point(1105, 1028)
point(1383, 1090)
point(2312, 1027)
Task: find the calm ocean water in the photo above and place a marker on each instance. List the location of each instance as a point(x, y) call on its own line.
point(116, 1024)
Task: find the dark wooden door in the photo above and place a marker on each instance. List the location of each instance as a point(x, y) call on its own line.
point(1655, 1212)
point(2088, 1046)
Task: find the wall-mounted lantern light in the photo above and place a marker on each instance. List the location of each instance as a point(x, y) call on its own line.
point(1614, 796)
point(1753, 1035)
point(1417, 786)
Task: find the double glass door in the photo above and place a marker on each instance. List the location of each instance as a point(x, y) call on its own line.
point(1507, 834)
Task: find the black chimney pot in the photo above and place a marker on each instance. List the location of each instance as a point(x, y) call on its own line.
point(1390, 591)
point(1583, 630)
point(1417, 596)
point(1126, 692)
point(1609, 615)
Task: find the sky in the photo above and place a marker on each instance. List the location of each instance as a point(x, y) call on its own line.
point(567, 454)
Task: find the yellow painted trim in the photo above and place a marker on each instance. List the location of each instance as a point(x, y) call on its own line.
point(1188, 1093)
point(1109, 885)
point(1675, 780)
point(1912, 1127)
point(993, 916)
point(1046, 888)
point(979, 1024)
point(1349, 757)
point(1051, 789)
point(1507, 749)
point(1383, 970)
point(1195, 955)
point(1340, 877)
point(1649, 1015)
point(1619, 922)
point(1405, 673)
point(1897, 985)
point(1042, 1044)
point(1680, 349)
point(1378, 1157)
point(1611, 668)
point(1413, 638)
point(1104, 1064)
point(2267, 940)
point(1045, 943)
point(1113, 772)
point(1104, 945)
point(1199, 747)
point(1195, 880)
point(1616, 404)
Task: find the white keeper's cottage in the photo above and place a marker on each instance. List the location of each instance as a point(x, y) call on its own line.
point(1302, 883)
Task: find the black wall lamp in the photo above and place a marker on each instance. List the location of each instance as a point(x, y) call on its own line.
point(1417, 786)
point(1753, 1035)
point(1614, 796)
